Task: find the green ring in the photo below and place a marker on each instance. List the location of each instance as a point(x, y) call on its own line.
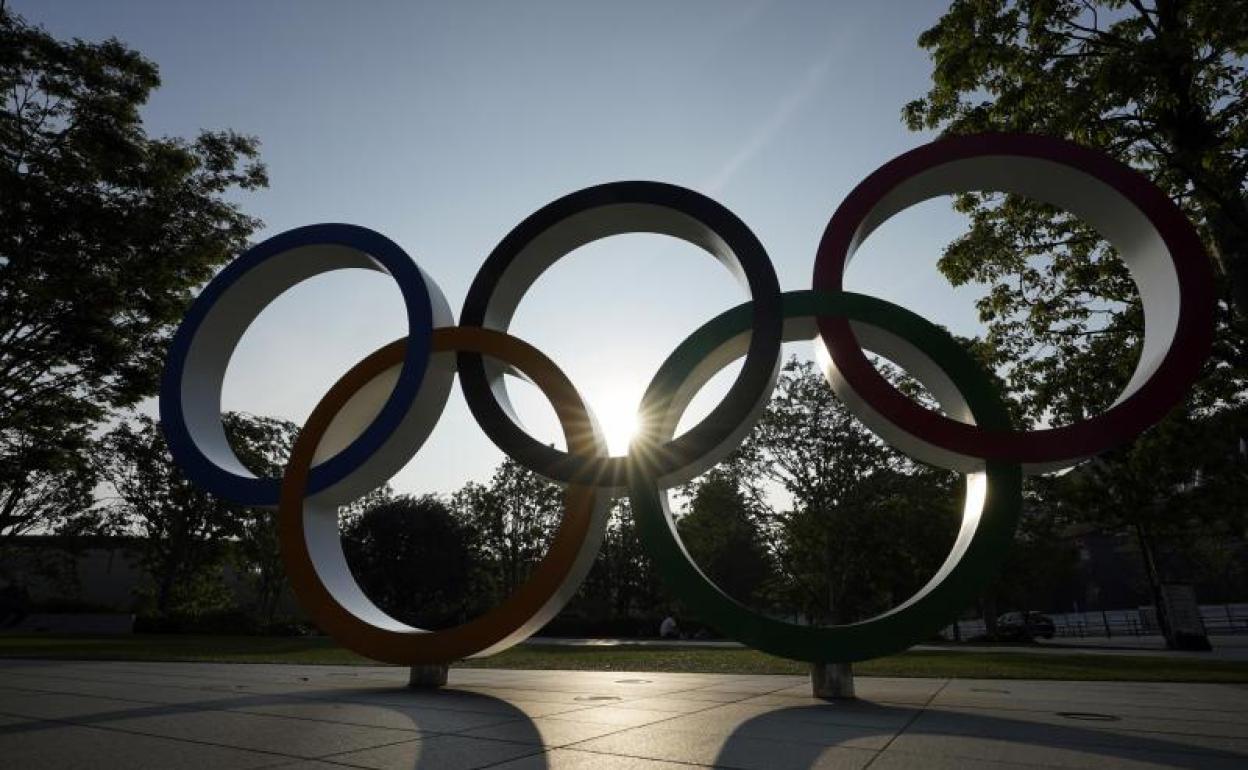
point(914, 620)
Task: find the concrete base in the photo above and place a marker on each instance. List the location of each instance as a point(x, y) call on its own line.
point(832, 681)
point(432, 675)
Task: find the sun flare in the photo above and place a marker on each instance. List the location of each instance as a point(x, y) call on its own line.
point(617, 416)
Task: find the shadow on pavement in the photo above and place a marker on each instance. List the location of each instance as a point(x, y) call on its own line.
point(422, 711)
point(999, 738)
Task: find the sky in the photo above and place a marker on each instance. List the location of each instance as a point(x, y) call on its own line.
point(443, 125)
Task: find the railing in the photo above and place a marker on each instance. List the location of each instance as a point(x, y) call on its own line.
point(1219, 619)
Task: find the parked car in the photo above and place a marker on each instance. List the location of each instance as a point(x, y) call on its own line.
point(1012, 626)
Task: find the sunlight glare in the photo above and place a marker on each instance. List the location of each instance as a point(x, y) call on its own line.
point(617, 415)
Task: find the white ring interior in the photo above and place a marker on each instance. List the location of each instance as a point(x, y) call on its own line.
point(911, 359)
point(583, 228)
point(209, 353)
point(320, 512)
point(1110, 213)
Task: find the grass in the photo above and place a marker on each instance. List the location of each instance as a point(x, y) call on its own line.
point(322, 650)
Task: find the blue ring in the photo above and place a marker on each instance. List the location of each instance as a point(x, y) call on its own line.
point(265, 491)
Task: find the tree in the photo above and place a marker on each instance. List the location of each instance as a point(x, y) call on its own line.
point(1181, 484)
point(45, 484)
point(721, 531)
point(183, 528)
point(413, 558)
point(263, 445)
point(104, 233)
point(636, 590)
point(1162, 87)
point(513, 519)
point(866, 526)
point(190, 535)
point(1041, 568)
point(623, 594)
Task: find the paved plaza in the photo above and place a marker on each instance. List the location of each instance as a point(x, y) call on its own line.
point(180, 715)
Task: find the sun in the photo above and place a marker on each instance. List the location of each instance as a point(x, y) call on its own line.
point(617, 416)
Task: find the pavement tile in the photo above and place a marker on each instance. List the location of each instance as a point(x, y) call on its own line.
point(709, 727)
point(778, 728)
point(443, 752)
point(708, 696)
point(739, 751)
point(1052, 754)
point(450, 701)
point(571, 759)
point(615, 715)
point(296, 737)
point(746, 689)
point(907, 691)
point(670, 703)
point(174, 680)
point(305, 764)
point(543, 731)
point(1150, 726)
point(857, 713)
point(1229, 716)
point(50, 746)
point(1201, 698)
point(423, 721)
point(1060, 731)
point(900, 760)
point(80, 708)
point(571, 697)
point(121, 690)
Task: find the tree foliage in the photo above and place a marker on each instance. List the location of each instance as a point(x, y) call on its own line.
point(721, 531)
point(623, 586)
point(181, 525)
point(513, 518)
point(414, 558)
point(864, 527)
point(263, 445)
point(1160, 86)
point(104, 233)
point(189, 536)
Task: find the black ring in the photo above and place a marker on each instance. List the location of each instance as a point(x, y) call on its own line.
point(580, 218)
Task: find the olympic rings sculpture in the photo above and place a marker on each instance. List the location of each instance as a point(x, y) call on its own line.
point(375, 418)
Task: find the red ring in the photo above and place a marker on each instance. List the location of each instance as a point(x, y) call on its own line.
point(1193, 336)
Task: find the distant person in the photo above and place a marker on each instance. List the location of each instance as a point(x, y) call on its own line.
point(668, 628)
point(14, 605)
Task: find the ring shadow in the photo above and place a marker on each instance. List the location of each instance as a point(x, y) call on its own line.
point(427, 712)
point(805, 731)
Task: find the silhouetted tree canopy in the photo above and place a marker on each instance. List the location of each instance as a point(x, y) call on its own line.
point(513, 519)
point(863, 526)
point(720, 529)
point(1162, 86)
point(1159, 85)
point(414, 559)
point(104, 234)
point(189, 534)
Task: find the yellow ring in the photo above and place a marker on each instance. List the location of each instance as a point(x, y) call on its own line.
point(542, 595)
